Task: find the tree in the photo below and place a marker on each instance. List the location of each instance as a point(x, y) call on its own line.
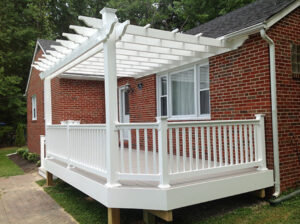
point(20, 138)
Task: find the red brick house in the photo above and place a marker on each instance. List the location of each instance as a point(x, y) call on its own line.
point(257, 71)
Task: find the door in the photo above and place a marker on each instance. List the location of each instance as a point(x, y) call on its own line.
point(124, 108)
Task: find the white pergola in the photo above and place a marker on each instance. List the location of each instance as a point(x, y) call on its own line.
point(139, 50)
point(109, 49)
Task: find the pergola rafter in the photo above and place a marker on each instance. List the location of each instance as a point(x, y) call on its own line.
point(140, 50)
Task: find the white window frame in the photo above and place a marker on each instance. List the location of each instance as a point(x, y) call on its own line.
point(34, 107)
point(168, 74)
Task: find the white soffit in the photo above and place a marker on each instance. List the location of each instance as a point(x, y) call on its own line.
point(140, 51)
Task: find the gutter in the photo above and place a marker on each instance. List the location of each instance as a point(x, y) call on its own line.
point(274, 110)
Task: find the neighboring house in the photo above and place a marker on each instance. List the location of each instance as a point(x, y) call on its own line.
point(230, 76)
point(35, 99)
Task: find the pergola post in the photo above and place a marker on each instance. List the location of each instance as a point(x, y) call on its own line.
point(111, 101)
point(47, 102)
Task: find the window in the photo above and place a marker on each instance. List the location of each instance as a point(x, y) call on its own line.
point(187, 91)
point(296, 58)
point(204, 90)
point(34, 112)
point(163, 96)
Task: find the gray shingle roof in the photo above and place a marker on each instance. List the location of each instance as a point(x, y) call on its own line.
point(249, 15)
point(45, 44)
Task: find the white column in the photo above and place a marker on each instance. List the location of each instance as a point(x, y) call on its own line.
point(47, 106)
point(111, 101)
point(42, 155)
point(163, 152)
point(47, 102)
point(261, 141)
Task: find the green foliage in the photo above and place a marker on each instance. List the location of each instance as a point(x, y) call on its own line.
point(38, 163)
point(6, 133)
point(20, 138)
point(170, 14)
point(20, 151)
point(33, 157)
point(24, 153)
point(7, 166)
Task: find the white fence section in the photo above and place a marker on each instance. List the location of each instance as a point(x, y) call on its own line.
point(81, 146)
point(198, 148)
point(165, 152)
point(138, 152)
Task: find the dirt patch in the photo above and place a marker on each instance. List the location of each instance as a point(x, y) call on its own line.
point(27, 166)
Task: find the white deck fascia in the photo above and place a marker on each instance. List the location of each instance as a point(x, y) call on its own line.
point(177, 196)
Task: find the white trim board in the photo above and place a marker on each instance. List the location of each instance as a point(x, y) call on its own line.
point(137, 197)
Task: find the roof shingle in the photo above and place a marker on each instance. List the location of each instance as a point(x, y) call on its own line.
point(249, 15)
point(46, 44)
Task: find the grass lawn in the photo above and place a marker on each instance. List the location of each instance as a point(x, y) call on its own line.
point(83, 208)
point(8, 167)
point(86, 211)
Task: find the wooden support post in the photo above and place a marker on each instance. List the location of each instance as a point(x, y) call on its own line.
point(259, 193)
point(165, 215)
point(49, 179)
point(113, 215)
point(148, 217)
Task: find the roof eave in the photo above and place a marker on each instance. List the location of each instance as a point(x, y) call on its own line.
point(262, 25)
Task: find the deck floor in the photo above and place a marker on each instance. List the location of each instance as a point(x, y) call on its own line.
point(151, 161)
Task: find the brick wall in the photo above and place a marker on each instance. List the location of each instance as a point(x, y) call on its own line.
point(35, 128)
point(285, 33)
point(78, 100)
point(240, 88)
point(85, 100)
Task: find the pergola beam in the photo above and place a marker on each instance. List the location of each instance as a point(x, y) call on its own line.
point(140, 51)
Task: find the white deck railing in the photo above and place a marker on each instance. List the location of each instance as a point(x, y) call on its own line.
point(81, 146)
point(166, 152)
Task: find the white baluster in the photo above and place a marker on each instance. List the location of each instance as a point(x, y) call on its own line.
point(184, 149)
point(246, 142)
point(202, 148)
point(177, 150)
point(190, 148)
point(220, 145)
point(146, 150)
point(197, 147)
point(208, 146)
point(138, 150)
point(214, 146)
point(171, 149)
point(241, 145)
point(154, 151)
point(230, 145)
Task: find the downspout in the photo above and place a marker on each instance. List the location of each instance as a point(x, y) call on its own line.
point(274, 110)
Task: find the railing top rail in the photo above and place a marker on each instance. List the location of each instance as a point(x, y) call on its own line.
point(211, 123)
point(136, 125)
point(102, 126)
point(77, 126)
point(57, 126)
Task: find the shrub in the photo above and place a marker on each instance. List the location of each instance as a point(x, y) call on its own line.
point(6, 135)
point(38, 163)
point(20, 151)
point(25, 154)
point(33, 157)
point(20, 138)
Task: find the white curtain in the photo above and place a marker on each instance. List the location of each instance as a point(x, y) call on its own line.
point(182, 85)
